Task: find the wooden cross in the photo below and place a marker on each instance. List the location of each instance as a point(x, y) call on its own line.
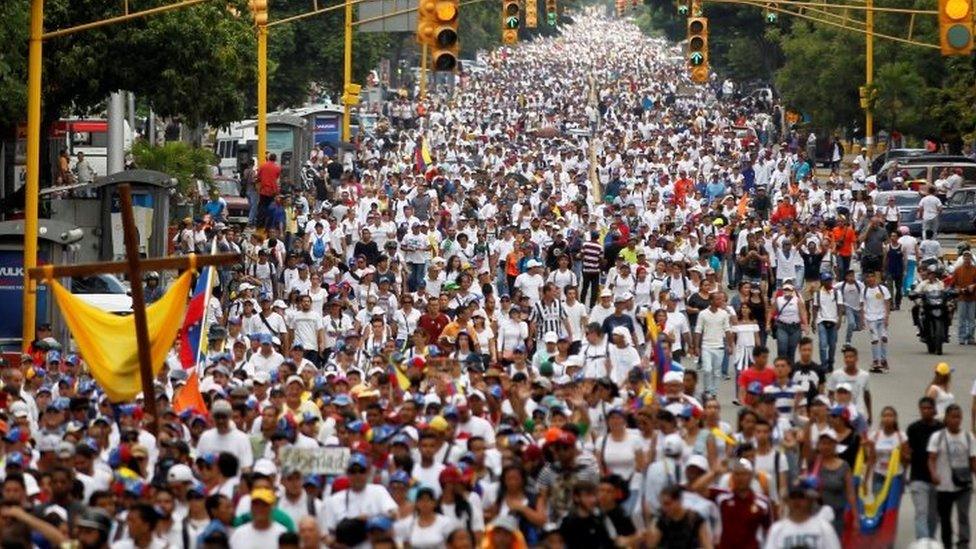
point(134, 266)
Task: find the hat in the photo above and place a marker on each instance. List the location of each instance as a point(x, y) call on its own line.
point(846, 386)
point(943, 369)
point(824, 277)
point(96, 519)
point(550, 337)
point(673, 445)
point(626, 296)
point(221, 407)
point(48, 443)
point(179, 473)
point(788, 286)
point(505, 522)
point(265, 495)
point(698, 461)
point(606, 292)
point(532, 263)
point(674, 377)
point(357, 459)
point(265, 467)
point(829, 433)
point(295, 379)
point(620, 331)
point(742, 464)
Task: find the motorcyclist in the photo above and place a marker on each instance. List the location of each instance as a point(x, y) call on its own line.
point(931, 282)
point(152, 290)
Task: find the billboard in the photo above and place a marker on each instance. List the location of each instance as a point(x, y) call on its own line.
point(12, 294)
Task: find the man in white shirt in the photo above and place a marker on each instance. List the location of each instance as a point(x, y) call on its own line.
point(713, 336)
point(225, 437)
point(530, 282)
point(261, 532)
point(877, 305)
point(929, 208)
point(361, 499)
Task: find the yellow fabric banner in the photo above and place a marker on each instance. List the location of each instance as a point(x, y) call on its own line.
point(107, 341)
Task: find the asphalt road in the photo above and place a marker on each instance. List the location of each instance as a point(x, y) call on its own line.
point(911, 372)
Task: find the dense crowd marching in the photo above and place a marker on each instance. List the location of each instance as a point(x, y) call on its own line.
point(522, 340)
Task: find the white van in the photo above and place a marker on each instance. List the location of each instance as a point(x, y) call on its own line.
point(234, 144)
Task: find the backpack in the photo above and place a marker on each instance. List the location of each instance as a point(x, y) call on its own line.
point(318, 247)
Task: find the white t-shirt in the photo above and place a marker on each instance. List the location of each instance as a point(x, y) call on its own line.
point(575, 314)
point(530, 285)
point(621, 362)
point(713, 325)
point(234, 442)
point(859, 386)
point(954, 452)
point(434, 536)
point(874, 302)
point(767, 464)
point(908, 244)
point(884, 445)
point(930, 205)
point(371, 501)
point(249, 537)
point(813, 533)
point(306, 325)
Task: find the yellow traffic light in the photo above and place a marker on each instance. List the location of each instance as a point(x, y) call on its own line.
point(531, 13)
point(698, 49)
point(350, 94)
point(511, 20)
point(426, 21)
point(956, 27)
point(445, 47)
point(259, 8)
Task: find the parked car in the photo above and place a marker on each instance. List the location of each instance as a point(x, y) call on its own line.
point(892, 154)
point(959, 212)
point(907, 204)
point(104, 291)
point(926, 168)
point(237, 206)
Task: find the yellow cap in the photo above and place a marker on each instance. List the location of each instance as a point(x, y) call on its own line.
point(943, 369)
point(263, 494)
point(439, 424)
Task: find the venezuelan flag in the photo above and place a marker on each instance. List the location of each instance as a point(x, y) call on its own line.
point(662, 365)
point(193, 333)
point(875, 523)
point(422, 157)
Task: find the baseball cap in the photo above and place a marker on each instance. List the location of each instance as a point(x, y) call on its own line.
point(943, 369)
point(263, 494)
point(179, 473)
point(698, 461)
point(221, 407)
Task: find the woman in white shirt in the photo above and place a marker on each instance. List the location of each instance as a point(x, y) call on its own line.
point(621, 452)
point(512, 331)
point(939, 389)
point(881, 444)
point(484, 335)
point(426, 528)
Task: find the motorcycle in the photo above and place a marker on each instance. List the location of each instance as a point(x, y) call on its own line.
point(934, 316)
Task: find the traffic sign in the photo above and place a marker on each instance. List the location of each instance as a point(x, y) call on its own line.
point(512, 22)
point(696, 58)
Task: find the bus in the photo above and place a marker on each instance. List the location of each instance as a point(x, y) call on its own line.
point(88, 136)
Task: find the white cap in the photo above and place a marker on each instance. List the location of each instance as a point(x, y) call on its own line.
point(673, 445)
point(674, 377)
point(265, 467)
point(698, 461)
point(829, 433)
point(606, 292)
point(48, 443)
point(620, 331)
point(245, 286)
point(377, 311)
point(279, 304)
point(533, 263)
point(742, 464)
point(19, 409)
point(626, 296)
point(295, 379)
point(844, 387)
point(179, 473)
point(550, 337)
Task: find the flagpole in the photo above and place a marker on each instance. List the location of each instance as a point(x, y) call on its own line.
point(209, 273)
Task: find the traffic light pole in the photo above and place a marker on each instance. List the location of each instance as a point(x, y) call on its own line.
point(423, 71)
point(347, 71)
point(262, 94)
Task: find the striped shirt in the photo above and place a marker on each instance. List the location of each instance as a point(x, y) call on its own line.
point(591, 254)
point(785, 396)
point(549, 318)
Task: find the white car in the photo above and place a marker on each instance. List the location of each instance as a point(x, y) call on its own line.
point(104, 291)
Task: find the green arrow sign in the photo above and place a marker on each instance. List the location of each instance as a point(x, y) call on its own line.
point(551, 19)
point(770, 17)
point(683, 10)
point(512, 22)
point(696, 58)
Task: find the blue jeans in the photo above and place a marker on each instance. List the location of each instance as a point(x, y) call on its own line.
point(879, 340)
point(853, 317)
point(787, 340)
point(967, 320)
point(909, 276)
point(827, 341)
point(926, 512)
point(711, 364)
point(252, 199)
point(416, 277)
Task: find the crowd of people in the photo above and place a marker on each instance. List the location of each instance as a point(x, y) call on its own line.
point(524, 342)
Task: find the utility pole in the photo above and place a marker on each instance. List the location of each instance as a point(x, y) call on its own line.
point(347, 71)
point(869, 77)
point(259, 8)
point(115, 161)
point(423, 71)
point(32, 188)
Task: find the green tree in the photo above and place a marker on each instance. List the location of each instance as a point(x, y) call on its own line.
point(185, 163)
